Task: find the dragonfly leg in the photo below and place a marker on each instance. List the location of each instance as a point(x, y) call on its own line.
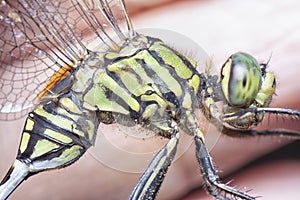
point(212, 181)
point(150, 182)
point(252, 132)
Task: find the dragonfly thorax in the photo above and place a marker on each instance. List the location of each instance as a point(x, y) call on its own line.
point(144, 86)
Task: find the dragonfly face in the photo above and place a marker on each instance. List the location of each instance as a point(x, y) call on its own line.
point(133, 79)
point(246, 84)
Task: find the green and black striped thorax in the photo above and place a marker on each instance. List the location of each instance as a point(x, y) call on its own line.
point(146, 82)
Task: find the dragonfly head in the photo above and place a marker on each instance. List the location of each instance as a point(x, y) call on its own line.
point(246, 83)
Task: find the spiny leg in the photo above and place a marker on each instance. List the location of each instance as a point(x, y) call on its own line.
point(244, 113)
point(252, 132)
point(222, 121)
point(149, 184)
point(212, 181)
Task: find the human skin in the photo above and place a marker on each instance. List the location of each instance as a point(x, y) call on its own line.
point(221, 28)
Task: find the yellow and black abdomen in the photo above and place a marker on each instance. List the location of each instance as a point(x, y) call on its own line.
point(56, 134)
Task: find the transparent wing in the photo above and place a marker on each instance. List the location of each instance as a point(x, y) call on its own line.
point(41, 41)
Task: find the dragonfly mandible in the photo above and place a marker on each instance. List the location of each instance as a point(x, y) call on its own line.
point(71, 104)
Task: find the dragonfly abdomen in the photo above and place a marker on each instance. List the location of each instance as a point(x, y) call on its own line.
point(56, 135)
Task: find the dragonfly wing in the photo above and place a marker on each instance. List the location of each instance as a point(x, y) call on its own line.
point(42, 41)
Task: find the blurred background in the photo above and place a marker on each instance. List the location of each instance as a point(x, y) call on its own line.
point(269, 166)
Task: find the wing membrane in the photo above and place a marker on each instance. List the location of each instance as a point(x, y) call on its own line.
point(41, 39)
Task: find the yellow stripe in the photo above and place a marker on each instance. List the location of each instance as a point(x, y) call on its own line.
point(130, 64)
point(161, 72)
point(200, 134)
point(156, 98)
point(24, 142)
point(108, 82)
point(123, 70)
point(170, 58)
point(29, 124)
point(42, 147)
point(150, 111)
point(96, 96)
point(192, 61)
point(70, 105)
point(90, 130)
point(60, 121)
point(123, 65)
point(112, 55)
point(68, 155)
point(132, 84)
point(194, 82)
point(226, 70)
point(187, 101)
point(169, 147)
point(57, 136)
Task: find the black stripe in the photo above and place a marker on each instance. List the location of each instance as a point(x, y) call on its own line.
point(108, 61)
point(52, 109)
point(40, 125)
point(112, 96)
point(170, 96)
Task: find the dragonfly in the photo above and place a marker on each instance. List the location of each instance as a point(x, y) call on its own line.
point(51, 72)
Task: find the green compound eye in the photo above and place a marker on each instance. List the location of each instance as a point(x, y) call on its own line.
point(241, 79)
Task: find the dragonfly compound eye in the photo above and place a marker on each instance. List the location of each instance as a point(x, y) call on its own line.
point(241, 79)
